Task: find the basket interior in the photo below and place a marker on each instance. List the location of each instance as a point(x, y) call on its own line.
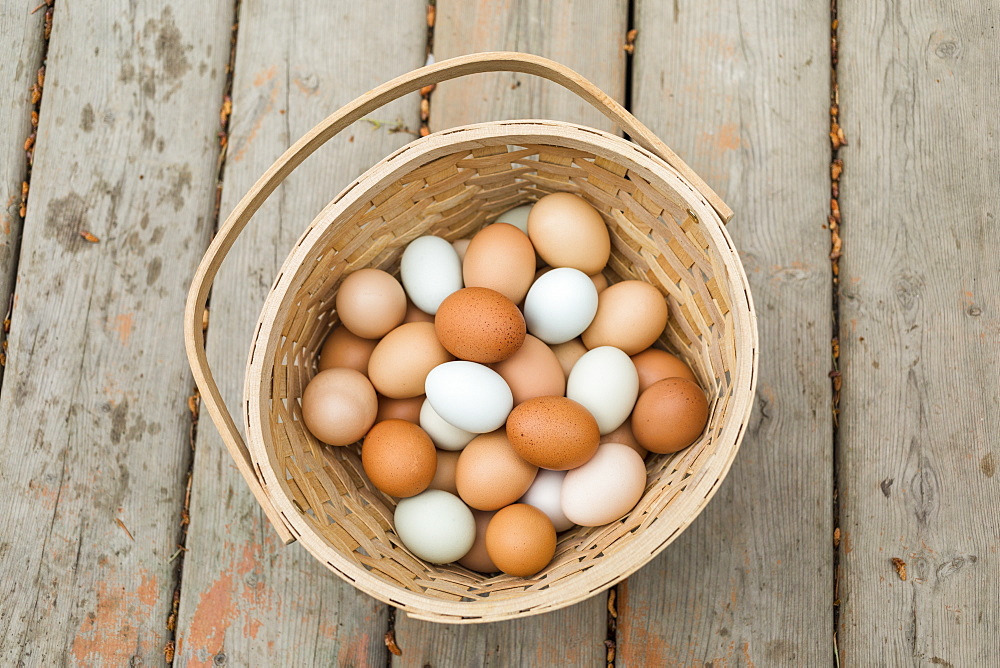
point(655, 237)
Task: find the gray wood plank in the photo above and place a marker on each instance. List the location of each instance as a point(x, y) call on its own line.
point(586, 36)
point(741, 92)
point(573, 636)
point(245, 598)
point(919, 334)
point(93, 409)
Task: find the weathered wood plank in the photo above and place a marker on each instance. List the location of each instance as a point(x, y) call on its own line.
point(586, 36)
point(245, 598)
point(574, 636)
point(919, 334)
point(741, 94)
point(93, 409)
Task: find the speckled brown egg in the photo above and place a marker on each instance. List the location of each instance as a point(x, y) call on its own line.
point(401, 409)
point(654, 364)
point(399, 458)
point(631, 315)
point(491, 474)
point(670, 415)
point(533, 371)
point(553, 432)
point(477, 558)
point(520, 540)
point(339, 406)
point(444, 476)
point(401, 361)
point(346, 350)
point(500, 257)
point(479, 325)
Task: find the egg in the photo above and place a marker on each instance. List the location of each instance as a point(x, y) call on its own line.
point(606, 488)
point(600, 282)
point(444, 434)
point(477, 558)
point(604, 380)
point(401, 409)
point(518, 217)
point(430, 270)
point(624, 435)
point(631, 315)
point(568, 353)
point(520, 540)
point(370, 303)
point(346, 350)
point(568, 232)
point(470, 396)
point(479, 325)
point(339, 406)
point(553, 432)
point(413, 314)
point(653, 364)
point(399, 458)
point(491, 474)
point(435, 526)
point(545, 494)
point(560, 305)
point(533, 371)
point(461, 246)
point(401, 361)
point(444, 475)
point(500, 257)
point(670, 415)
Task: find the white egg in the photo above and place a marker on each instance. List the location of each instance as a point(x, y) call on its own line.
point(560, 305)
point(435, 525)
point(469, 396)
point(545, 494)
point(606, 488)
point(605, 381)
point(518, 217)
point(430, 270)
point(444, 434)
point(460, 246)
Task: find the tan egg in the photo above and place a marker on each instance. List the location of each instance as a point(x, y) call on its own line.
point(479, 325)
point(600, 282)
point(346, 350)
point(568, 353)
point(670, 415)
point(624, 435)
point(339, 406)
point(490, 474)
point(370, 303)
point(500, 257)
point(654, 364)
point(568, 232)
point(399, 458)
point(399, 409)
point(444, 476)
point(461, 246)
point(631, 315)
point(553, 432)
point(477, 558)
point(521, 540)
point(533, 371)
point(401, 361)
point(413, 314)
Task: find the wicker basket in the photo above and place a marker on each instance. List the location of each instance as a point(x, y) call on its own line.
point(666, 228)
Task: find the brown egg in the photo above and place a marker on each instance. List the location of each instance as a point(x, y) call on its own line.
point(399, 458)
point(339, 406)
point(624, 435)
point(568, 232)
point(520, 540)
point(600, 282)
point(399, 409)
point(413, 314)
point(477, 558)
point(401, 361)
point(479, 325)
point(500, 257)
point(568, 353)
point(544, 269)
point(444, 476)
point(670, 415)
point(631, 315)
point(553, 432)
point(370, 303)
point(346, 350)
point(533, 371)
point(654, 364)
point(490, 474)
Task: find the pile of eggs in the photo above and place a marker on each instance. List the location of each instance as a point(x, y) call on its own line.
point(504, 391)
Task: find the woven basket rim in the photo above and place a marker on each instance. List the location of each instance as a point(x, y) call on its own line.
point(654, 538)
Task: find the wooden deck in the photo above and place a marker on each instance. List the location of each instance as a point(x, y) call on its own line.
point(127, 536)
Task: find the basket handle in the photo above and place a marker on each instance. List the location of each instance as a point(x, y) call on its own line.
point(446, 69)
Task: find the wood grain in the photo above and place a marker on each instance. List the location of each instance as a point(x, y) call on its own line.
point(919, 336)
point(585, 36)
point(93, 408)
point(741, 94)
point(245, 597)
